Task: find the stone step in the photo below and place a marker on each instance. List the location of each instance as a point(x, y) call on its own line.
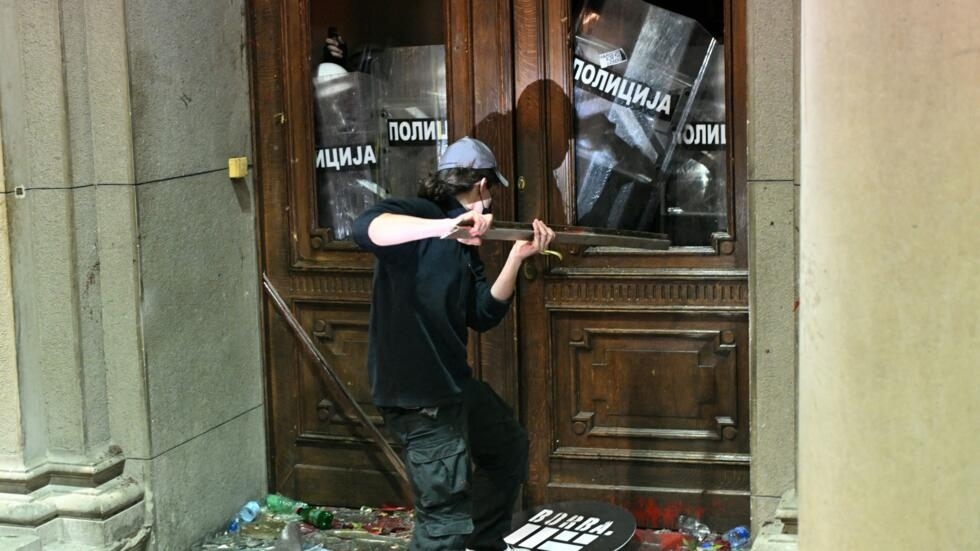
point(20, 543)
point(787, 513)
point(780, 533)
point(58, 546)
point(775, 542)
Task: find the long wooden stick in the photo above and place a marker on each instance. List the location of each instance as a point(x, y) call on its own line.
point(334, 382)
point(570, 235)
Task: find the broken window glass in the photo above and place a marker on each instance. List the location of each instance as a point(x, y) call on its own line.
point(650, 140)
point(378, 132)
point(413, 109)
point(347, 149)
point(379, 105)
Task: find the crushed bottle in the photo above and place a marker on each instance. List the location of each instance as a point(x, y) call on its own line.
point(693, 527)
point(738, 538)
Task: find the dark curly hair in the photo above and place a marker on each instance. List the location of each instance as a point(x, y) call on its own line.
point(446, 183)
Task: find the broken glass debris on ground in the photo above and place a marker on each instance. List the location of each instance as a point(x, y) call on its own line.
point(368, 529)
point(278, 525)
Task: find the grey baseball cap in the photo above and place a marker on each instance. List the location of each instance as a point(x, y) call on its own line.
point(467, 152)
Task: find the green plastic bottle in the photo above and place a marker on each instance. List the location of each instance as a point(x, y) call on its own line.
point(317, 516)
point(278, 503)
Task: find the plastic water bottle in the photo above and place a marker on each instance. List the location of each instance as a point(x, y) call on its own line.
point(249, 512)
point(738, 538)
point(278, 503)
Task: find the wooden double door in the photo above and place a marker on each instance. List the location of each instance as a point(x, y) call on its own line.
point(628, 366)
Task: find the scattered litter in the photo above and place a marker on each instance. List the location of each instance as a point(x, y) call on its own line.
point(692, 535)
point(283, 524)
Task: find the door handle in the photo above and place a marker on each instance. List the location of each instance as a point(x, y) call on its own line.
point(530, 267)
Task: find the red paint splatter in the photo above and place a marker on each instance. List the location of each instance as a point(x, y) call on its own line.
point(650, 514)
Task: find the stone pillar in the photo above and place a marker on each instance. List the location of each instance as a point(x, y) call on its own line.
point(11, 418)
point(62, 479)
point(130, 361)
point(773, 193)
point(889, 347)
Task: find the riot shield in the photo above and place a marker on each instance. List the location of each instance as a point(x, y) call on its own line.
point(346, 160)
point(636, 69)
point(696, 191)
point(413, 111)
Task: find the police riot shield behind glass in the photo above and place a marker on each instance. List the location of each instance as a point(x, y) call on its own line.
point(347, 145)
point(696, 191)
point(380, 129)
point(645, 94)
point(413, 111)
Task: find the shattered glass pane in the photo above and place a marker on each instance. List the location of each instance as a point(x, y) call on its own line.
point(649, 122)
point(346, 160)
point(378, 131)
point(696, 190)
point(413, 105)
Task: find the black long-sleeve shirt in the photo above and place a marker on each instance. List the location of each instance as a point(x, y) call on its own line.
point(426, 294)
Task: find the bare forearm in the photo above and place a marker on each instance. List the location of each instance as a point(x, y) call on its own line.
point(503, 287)
point(395, 229)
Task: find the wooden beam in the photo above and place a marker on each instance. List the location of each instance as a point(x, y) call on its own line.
point(570, 235)
point(335, 383)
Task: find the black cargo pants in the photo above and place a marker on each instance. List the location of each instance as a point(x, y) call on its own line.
point(466, 463)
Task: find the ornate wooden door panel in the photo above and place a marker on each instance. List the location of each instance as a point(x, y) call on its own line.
point(647, 403)
point(633, 380)
point(634, 363)
point(318, 453)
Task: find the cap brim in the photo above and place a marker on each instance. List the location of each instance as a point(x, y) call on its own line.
point(501, 179)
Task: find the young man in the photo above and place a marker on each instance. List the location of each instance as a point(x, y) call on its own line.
point(427, 292)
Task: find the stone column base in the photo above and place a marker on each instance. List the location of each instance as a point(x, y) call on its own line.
point(61, 507)
point(780, 533)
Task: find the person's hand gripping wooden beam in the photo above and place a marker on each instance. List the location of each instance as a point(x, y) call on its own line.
point(502, 231)
point(568, 235)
